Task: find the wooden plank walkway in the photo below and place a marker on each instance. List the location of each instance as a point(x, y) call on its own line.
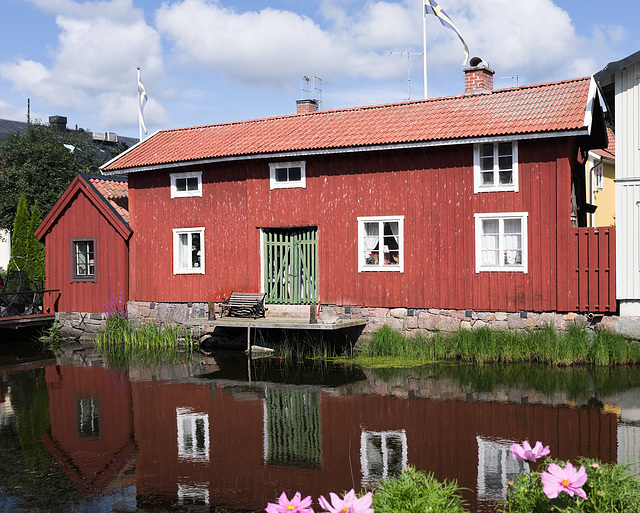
point(281, 323)
point(25, 321)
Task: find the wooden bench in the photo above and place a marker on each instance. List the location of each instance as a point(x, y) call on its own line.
point(244, 304)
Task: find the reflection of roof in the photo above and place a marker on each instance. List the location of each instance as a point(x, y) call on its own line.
point(539, 109)
point(610, 151)
point(114, 191)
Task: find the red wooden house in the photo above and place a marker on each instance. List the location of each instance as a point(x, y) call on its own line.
point(463, 202)
point(87, 239)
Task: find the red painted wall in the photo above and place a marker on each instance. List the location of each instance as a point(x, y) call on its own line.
point(82, 219)
point(431, 187)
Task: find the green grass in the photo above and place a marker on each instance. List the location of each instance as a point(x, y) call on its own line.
point(124, 343)
point(416, 492)
point(484, 346)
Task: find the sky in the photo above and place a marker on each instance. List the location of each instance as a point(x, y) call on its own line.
point(213, 61)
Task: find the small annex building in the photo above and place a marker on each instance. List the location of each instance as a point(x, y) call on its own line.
point(471, 203)
point(87, 234)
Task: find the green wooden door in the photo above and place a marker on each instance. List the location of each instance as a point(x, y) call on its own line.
point(291, 265)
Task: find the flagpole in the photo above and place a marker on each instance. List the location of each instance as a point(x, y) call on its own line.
point(139, 109)
point(424, 47)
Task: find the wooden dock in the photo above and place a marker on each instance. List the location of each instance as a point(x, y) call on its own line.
point(275, 323)
point(26, 321)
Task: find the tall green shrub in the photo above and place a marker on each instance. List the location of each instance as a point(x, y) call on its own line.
point(20, 235)
point(36, 252)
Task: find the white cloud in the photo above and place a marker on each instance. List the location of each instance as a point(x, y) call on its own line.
point(276, 47)
point(93, 68)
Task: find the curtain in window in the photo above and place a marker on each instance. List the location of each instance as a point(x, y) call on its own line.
point(184, 251)
point(490, 241)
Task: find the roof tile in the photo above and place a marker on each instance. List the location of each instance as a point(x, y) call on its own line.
point(552, 107)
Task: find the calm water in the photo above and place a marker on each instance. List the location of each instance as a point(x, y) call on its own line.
point(224, 434)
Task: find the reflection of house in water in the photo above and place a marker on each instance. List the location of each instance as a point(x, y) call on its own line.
point(205, 443)
point(91, 426)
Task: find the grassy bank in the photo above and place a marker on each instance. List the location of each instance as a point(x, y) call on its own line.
point(124, 343)
point(545, 346)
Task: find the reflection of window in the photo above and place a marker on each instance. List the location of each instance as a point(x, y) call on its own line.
point(188, 251)
point(83, 260)
point(496, 466)
point(380, 243)
point(501, 242)
point(287, 175)
point(88, 417)
point(496, 167)
point(193, 494)
point(185, 185)
point(193, 435)
point(292, 430)
point(383, 454)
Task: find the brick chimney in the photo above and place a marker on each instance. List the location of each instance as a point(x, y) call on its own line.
point(478, 77)
point(306, 106)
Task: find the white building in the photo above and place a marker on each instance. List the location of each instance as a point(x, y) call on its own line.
point(620, 85)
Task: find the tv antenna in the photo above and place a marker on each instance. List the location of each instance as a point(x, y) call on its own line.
point(311, 89)
point(408, 54)
point(513, 77)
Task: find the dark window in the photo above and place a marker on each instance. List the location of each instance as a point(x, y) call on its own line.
point(83, 259)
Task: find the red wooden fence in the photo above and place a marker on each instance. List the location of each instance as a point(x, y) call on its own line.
point(592, 270)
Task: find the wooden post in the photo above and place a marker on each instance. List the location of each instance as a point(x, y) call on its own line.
point(249, 340)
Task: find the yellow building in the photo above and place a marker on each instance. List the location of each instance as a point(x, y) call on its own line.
point(600, 173)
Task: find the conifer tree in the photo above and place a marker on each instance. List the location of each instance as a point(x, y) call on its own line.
point(36, 255)
point(20, 235)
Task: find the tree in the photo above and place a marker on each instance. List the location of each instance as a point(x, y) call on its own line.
point(36, 250)
point(20, 235)
point(41, 164)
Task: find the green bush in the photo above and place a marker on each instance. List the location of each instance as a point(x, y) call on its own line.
point(416, 492)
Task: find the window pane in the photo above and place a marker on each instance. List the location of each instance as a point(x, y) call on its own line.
point(512, 242)
point(181, 184)
point(486, 150)
point(490, 242)
point(487, 177)
point(192, 184)
point(391, 243)
point(504, 149)
point(295, 174)
point(281, 174)
point(506, 177)
point(195, 250)
point(183, 250)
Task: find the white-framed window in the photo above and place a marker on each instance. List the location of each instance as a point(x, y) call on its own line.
point(383, 454)
point(598, 170)
point(495, 166)
point(501, 242)
point(193, 434)
point(186, 185)
point(496, 467)
point(83, 259)
point(188, 250)
point(287, 175)
point(381, 243)
point(193, 493)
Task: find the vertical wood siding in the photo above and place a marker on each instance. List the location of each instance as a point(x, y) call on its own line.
point(82, 219)
point(432, 188)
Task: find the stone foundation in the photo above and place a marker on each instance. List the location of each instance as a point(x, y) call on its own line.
point(413, 321)
point(78, 324)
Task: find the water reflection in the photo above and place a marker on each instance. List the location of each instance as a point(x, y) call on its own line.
point(217, 434)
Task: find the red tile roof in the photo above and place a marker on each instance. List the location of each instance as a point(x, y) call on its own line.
point(544, 108)
point(115, 192)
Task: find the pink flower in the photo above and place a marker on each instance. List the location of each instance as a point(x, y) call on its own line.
point(525, 452)
point(558, 479)
point(350, 503)
point(295, 505)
